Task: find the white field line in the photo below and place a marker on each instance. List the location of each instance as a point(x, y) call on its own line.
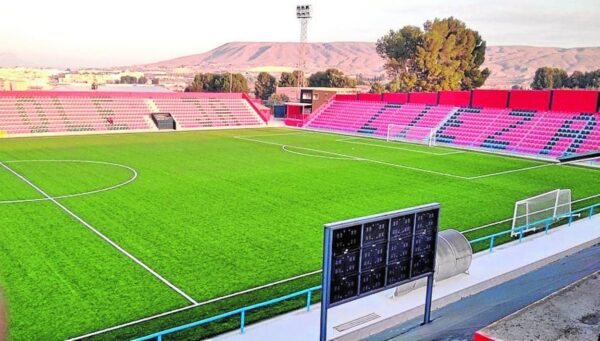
point(108, 240)
point(174, 311)
point(351, 140)
point(528, 168)
point(355, 158)
point(277, 134)
point(409, 167)
point(286, 148)
point(133, 177)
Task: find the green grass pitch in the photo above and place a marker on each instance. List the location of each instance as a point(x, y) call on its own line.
point(217, 212)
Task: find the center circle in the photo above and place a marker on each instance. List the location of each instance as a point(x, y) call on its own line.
point(133, 176)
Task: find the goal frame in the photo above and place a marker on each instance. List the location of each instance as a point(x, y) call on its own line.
point(429, 139)
point(555, 211)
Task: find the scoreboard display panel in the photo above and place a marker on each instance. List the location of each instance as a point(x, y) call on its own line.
point(367, 255)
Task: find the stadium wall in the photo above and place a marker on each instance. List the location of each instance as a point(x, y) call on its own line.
point(490, 98)
point(530, 100)
point(123, 94)
point(575, 101)
point(430, 98)
point(370, 97)
point(396, 97)
point(346, 97)
point(455, 98)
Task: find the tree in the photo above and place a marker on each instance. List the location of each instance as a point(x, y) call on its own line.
point(290, 79)
point(142, 80)
point(264, 86)
point(377, 88)
point(155, 81)
point(550, 78)
point(225, 82)
point(445, 55)
point(331, 78)
point(277, 99)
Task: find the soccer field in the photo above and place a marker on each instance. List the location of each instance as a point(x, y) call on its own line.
point(99, 230)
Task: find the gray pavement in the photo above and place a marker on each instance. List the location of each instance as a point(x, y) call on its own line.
point(459, 320)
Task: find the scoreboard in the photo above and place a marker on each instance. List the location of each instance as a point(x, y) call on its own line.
point(367, 255)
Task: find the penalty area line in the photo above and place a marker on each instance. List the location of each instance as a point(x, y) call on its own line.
point(356, 158)
point(98, 233)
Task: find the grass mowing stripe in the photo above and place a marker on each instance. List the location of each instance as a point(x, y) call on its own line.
point(108, 240)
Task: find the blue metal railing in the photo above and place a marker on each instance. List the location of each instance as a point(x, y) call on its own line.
point(241, 312)
point(544, 222)
point(308, 292)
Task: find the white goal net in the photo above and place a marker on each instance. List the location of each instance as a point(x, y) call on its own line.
point(408, 133)
point(534, 212)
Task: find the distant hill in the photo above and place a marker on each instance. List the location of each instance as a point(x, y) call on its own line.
point(510, 65)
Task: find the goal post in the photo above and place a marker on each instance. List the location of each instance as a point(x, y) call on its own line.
point(534, 212)
point(407, 133)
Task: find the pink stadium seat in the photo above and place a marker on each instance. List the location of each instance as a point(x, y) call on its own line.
point(35, 112)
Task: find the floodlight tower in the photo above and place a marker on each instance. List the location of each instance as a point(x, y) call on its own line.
point(303, 13)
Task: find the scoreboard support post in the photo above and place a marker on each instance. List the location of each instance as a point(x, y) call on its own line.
point(325, 286)
point(428, 299)
point(368, 255)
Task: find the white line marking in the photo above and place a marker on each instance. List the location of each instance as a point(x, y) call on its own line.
point(529, 168)
point(350, 140)
point(108, 240)
point(133, 172)
point(170, 312)
point(277, 134)
point(286, 148)
point(357, 158)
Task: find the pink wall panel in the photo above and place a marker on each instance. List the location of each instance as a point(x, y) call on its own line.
point(345, 97)
point(575, 100)
point(423, 97)
point(369, 97)
point(490, 98)
point(455, 98)
point(395, 97)
point(530, 99)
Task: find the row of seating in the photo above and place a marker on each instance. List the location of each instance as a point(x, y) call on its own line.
point(56, 112)
point(542, 133)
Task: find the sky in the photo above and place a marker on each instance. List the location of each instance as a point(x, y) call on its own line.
point(124, 32)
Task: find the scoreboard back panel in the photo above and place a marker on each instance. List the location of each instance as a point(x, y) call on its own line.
point(374, 253)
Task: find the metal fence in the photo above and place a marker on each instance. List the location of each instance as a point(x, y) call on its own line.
point(490, 239)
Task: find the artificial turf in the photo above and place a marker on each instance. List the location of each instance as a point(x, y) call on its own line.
point(215, 214)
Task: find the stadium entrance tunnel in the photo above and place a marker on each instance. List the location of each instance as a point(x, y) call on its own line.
point(453, 257)
point(317, 153)
point(66, 178)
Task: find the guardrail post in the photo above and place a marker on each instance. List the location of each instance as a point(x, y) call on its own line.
point(159, 338)
point(547, 227)
point(492, 243)
point(521, 231)
point(591, 212)
point(242, 321)
point(570, 219)
point(308, 297)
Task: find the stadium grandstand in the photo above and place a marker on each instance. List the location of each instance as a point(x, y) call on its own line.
point(551, 124)
point(61, 112)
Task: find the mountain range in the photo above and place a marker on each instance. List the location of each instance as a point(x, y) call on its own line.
point(510, 65)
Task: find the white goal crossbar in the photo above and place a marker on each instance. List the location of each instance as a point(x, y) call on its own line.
point(531, 212)
point(423, 135)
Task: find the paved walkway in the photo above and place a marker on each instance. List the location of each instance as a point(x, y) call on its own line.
point(488, 270)
point(460, 320)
